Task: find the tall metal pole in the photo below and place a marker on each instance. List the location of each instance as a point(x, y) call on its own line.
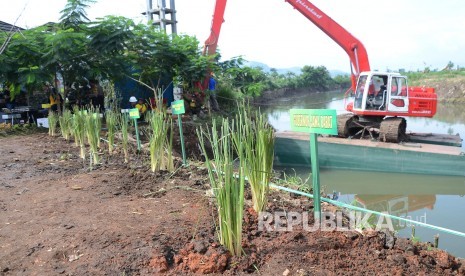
point(162, 11)
point(162, 7)
point(174, 28)
point(149, 10)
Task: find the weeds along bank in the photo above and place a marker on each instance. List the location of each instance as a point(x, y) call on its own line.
point(449, 85)
point(200, 208)
point(7, 129)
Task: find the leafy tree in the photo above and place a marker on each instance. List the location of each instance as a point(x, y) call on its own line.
point(108, 46)
point(67, 44)
point(290, 80)
point(155, 56)
point(74, 14)
point(150, 53)
point(250, 81)
point(315, 77)
point(22, 62)
point(275, 80)
point(287, 80)
point(450, 65)
point(274, 73)
point(342, 81)
point(66, 54)
point(192, 66)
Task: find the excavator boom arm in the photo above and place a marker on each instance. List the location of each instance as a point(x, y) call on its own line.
point(351, 45)
point(212, 41)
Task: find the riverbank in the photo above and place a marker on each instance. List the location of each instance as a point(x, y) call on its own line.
point(450, 87)
point(58, 217)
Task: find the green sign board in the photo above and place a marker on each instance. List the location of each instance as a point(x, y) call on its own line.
point(134, 113)
point(177, 107)
point(314, 121)
point(320, 121)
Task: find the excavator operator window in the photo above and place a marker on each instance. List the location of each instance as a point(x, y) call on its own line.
point(394, 87)
point(375, 98)
point(399, 92)
point(359, 92)
point(399, 87)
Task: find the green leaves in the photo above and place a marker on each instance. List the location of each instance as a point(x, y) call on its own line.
point(74, 13)
point(67, 55)
point(65, 121)
point(22, 59)
point(93, 126)
point(227, 184)
point(250, 80)
point(252, 141)
point(161, 140)
point(111, 35)
point(111, 118)
point(123, 123)
point(315, 77)
point(110, 48)
point(52, 123)
point(192, 65)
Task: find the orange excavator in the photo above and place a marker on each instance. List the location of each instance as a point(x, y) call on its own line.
point(377, 101)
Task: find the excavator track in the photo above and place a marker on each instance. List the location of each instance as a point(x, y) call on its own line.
point(344, 124)
point(393, 130)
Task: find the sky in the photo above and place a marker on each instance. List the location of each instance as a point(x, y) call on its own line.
point(397, 34)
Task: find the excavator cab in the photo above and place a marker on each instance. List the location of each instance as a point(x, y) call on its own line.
point(379, 94)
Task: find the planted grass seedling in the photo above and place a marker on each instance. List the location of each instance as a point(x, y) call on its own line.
point(65, 120)
point(254, 142)
point(112, 124)
point(123, 122)
point(227, 185)
point(79, 130)
point(161, 141)
point(93, 125)
point(52, 123)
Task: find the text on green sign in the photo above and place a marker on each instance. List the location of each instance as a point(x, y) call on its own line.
point(177, 106)
point(312, 121)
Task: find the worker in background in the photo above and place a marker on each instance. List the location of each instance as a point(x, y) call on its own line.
point(212, 88)
point(132, 102)
point(139, 104)
point(195, 101)
point(55, 98)
point(142, 106)
point(382, 89)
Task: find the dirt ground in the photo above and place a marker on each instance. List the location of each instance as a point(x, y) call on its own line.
point(59, 218)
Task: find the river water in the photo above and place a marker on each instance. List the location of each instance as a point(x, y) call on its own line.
point(435, 200)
